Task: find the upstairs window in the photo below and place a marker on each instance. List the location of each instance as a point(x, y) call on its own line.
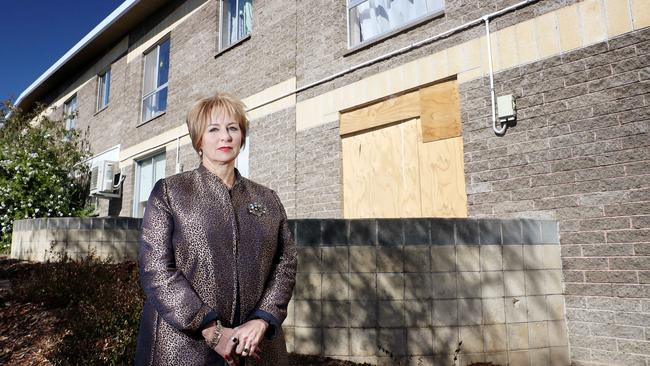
point(236, 21)
point(70, 113)
point(103, 89)
point(156, 71)
point(371, 19)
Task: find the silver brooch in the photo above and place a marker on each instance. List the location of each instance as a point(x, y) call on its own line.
point(256, 209)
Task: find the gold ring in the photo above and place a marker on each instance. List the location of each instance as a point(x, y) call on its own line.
point(245, 349)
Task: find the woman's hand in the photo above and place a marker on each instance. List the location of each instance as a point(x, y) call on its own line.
point(226, 345)
point(250, 335)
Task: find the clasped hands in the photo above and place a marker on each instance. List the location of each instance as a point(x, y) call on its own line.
point(241, 341)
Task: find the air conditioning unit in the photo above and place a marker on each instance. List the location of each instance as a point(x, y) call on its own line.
point(101, 177)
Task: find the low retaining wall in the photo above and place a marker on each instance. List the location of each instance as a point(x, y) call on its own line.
point(388, 291)
point(417, 291)
point(108, 237)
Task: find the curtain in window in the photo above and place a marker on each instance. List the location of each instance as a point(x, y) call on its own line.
point(237, 20)
point(248, 17)
point(230, 7)
point(367, 25)
point(372, 18)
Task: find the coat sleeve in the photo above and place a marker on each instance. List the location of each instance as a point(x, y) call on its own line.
point(164, 285)
point(272, 307)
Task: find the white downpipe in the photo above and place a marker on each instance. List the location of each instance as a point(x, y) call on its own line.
point(502, 129)
point(178, 152)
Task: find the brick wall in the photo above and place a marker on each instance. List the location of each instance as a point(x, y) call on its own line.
point(272, 156)
point(104, 127)
point(322, 37)
point(580, 152)
point(319, 192)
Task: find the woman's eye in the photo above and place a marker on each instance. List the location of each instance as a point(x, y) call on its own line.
point(233, 128)
point(213, 129)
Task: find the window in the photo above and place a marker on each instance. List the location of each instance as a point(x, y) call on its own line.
point(236, 21)
point(103, 89)
point(148, 172)
point(70, 113)
point(369, 19)
point(156, 70)
point(242, 162)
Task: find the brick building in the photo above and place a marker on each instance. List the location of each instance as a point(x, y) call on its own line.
point(383, 108)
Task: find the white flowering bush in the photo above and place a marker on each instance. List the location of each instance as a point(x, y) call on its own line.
point(42, 173)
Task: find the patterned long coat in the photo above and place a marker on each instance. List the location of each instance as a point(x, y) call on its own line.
point(205, 251)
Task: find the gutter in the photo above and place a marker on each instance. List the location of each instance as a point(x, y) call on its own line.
point(92, 35)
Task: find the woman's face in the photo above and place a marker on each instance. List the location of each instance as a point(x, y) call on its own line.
point(222, 139)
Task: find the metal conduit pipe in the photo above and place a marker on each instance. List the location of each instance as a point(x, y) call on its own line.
point(498, 130)
point(401, 50)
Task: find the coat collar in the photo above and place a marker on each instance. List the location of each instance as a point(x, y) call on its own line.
point(213, 178)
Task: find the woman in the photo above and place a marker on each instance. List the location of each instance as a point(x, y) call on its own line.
point(217, 261)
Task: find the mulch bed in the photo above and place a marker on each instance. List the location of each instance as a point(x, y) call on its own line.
point(29, 332)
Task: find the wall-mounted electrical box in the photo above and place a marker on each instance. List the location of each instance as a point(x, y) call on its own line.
point(506, 108)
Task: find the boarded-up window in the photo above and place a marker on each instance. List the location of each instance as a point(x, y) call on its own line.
point(403, 157)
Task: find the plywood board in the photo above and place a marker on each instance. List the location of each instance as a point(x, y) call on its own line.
point(392, 110)
point(440, 111)
point(381, 172)
point(442, 178)
point(396, 164)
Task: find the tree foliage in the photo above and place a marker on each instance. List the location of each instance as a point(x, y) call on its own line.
point(42, 173)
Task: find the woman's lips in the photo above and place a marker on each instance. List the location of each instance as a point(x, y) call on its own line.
point(225, 148)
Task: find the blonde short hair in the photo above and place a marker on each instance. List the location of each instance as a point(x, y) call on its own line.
point(205, 109)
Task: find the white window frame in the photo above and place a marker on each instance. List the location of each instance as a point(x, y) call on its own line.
point(221, 47)
point(353, 3)
point(103, 89)
point(70, 118)
point(159, 88)
point(136, 190)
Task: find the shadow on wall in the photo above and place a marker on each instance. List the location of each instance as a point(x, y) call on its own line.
point(436, 291)
point(430, 291)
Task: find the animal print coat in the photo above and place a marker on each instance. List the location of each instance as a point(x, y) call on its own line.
point(205, 251)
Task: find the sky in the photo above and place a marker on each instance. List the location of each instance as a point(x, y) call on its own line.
point(36, 33)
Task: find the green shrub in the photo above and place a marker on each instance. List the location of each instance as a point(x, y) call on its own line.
point(41, 169)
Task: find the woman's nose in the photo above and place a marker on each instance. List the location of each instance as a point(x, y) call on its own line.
point(225, 135)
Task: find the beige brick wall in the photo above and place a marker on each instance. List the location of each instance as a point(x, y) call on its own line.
point(579, 153)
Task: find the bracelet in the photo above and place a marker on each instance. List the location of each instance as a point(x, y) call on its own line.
point(217, 336)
